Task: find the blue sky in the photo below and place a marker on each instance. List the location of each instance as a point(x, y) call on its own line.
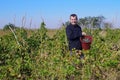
point(54, 12)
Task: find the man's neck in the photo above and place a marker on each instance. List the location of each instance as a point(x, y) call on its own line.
point(73, 25)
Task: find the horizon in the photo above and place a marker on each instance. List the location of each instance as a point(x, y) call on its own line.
point(54, 13)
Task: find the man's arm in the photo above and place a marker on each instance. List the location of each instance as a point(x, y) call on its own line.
point(71, 35)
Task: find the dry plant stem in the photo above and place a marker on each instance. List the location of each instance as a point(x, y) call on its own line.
point(14, 35)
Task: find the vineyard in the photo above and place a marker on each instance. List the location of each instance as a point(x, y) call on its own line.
point(38, 56)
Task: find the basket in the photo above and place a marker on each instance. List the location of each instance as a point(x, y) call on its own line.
point(86, 42)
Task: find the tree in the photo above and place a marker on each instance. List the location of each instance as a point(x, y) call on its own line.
point(6, 27)
point(91, 22)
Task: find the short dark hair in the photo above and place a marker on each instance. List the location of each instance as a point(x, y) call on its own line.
point(74, 15)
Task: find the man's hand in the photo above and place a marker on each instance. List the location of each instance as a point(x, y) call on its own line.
point(83, 33)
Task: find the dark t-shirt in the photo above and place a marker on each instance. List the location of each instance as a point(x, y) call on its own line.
point(74, 33)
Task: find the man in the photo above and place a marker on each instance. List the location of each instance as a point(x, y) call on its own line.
point(74, 33)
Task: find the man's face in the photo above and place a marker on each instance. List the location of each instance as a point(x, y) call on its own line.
point(73, 20)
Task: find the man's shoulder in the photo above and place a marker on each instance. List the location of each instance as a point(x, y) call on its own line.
point(78, 26)
point(68, 26)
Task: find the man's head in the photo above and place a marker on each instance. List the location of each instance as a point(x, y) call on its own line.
point(73, 19)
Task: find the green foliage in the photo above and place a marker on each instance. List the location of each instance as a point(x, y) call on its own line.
point(39, 57)
point(6, 27)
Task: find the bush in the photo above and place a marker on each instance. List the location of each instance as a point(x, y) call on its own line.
point(6, 27)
